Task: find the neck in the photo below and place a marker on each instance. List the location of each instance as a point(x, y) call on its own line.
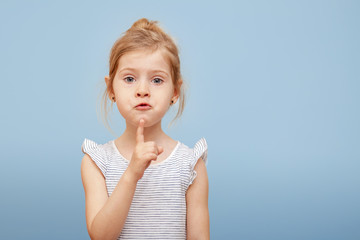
point(152, 133)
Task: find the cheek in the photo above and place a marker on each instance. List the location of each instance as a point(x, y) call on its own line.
point(123, 107)
point(121, 93)
point(122, 100)
point(165, 100)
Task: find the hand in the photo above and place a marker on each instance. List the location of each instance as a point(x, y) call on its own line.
point(143, 154)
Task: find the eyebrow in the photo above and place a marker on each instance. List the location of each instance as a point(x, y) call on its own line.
point(152, 71)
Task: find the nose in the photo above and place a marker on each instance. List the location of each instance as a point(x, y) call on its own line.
point(142, 90)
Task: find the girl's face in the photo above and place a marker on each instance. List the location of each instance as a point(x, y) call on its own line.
point(143, 77)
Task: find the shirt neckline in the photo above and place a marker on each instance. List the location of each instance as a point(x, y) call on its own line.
point(152, 164)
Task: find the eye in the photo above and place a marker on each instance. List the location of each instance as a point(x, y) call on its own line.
point(129, 79)
point(157, 80)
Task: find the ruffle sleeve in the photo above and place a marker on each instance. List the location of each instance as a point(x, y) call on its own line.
point(200, 151)
point(96, 153)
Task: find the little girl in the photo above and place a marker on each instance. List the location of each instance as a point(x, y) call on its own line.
point(144, 184)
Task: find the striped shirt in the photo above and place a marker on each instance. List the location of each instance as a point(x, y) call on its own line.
point(158, 208)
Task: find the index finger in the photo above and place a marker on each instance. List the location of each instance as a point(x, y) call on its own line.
point(140, 132)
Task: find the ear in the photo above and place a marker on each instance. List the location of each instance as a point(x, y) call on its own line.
point(177, 92)
point(110, 92)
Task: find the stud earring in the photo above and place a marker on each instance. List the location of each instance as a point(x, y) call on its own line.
point(113, 98)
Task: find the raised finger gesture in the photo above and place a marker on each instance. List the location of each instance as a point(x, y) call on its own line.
point(144, 153)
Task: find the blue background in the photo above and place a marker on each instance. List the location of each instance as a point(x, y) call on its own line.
point(273, 87)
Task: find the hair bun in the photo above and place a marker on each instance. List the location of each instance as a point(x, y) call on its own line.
point(144, 23)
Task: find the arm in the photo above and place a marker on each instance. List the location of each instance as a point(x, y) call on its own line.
point(198, 225)
point(105, 217)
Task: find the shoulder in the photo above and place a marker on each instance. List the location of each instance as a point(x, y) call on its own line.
point(198, 150)
point(91, 146)
point(96, 154)
point(194, 160)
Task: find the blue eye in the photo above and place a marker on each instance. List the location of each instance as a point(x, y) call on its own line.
point(129, 79)
point(157, 80)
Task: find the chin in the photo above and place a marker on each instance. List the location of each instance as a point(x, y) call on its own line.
point(136, 119)
point(151, 123)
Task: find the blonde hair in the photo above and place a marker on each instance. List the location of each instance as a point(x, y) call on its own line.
point(146, 35)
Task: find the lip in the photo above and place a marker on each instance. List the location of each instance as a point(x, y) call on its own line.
point(143, 106)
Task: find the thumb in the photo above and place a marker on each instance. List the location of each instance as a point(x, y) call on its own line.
point(160, 150)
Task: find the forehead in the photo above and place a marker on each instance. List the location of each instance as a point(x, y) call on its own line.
point(145, 60)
